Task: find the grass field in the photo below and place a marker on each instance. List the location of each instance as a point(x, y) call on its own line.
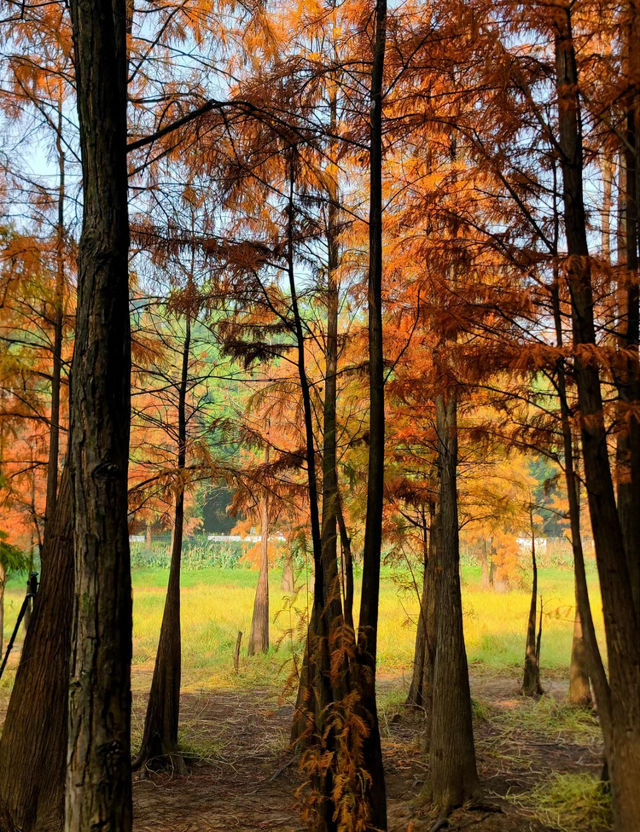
point(536, 749)
point(217, 603)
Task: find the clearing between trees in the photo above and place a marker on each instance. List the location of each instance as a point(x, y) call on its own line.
point(242, 776)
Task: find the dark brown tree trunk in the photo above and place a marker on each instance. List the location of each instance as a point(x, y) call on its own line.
point(454, 778)
point(33, 748)
point(368, 623)
point(531, 679)
point(98, 790)
point(621, 623)
point(421, 689)
point(160, 737)
point(628, 381)
point(259, 638)
point(3, 580)
point(56, 374)
point(595, 666)
point(579, 687)
point(414, 697)
point(312, 482)
point(432, 589)
point(330, 496)
point(347, 565)
point(314, 691)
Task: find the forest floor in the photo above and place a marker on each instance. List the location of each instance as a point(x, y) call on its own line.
point(538, 762)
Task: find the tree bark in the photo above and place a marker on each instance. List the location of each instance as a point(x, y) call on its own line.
point(454, 778)
point(98, 789)
point(621, 624)
point(56, 373)
point(531, 679)
point(433, 590)
point(330, 496)
point(347, 564)
point(259, 638)
point(160, 737)
point(3, 580)
point(33, 747)
point(592, 654)
point(368, 622)
point(579, 687)
point(414, 697)
point(628, 381)
point(314, 689)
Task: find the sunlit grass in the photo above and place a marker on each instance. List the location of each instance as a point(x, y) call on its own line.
point(217, 603)
point(569, 802)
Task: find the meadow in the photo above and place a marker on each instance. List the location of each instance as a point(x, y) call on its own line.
point(217, 603)
point(553, 749)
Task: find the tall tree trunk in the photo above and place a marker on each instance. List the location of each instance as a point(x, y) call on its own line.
point(98, 791)
point(628, 381)
point(420, 688)
point(368, 622)
point(579, 687)
point(3, 580)
point(432, 589)
point(330, 496)
point(160, 737)
point(314, 690)
point(621, 624)
point(56, 374)
point(454, 778)
point(595, 666)
point(347, 564)
point(259, 638)
point(33, 748)
point(531, 679)
point(312, 482)
point(414, 697)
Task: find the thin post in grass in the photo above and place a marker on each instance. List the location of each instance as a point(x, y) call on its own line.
point(236, 655)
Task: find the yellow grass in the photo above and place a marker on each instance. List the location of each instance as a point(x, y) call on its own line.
point(217, 603)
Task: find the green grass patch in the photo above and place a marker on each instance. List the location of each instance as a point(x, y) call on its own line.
point(569, 802)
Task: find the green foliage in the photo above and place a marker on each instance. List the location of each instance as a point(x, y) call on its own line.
point(12, 558)
point(197, 553)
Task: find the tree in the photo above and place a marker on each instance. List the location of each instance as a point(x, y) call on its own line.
point(98, 788)
point(368, 621)
point(259, 637)
point(454, 777)
point(32, 758)
point(531, 680)
point(160, 735)
point(621, 625)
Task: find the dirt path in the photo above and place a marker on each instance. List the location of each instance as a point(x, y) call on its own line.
point(244, 779)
